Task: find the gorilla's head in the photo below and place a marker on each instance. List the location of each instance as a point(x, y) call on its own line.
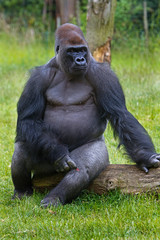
point(72, 51)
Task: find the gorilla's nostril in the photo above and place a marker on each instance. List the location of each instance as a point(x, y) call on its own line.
point(80, 60)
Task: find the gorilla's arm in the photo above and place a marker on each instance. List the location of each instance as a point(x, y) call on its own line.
point(111, 101)
point(40, 140)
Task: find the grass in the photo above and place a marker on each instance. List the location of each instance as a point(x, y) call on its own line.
point(115, 216)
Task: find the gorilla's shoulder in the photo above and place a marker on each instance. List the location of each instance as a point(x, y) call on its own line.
point(52, 63)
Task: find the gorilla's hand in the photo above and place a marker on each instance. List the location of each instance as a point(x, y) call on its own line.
point(154, 161)
point(64, 164)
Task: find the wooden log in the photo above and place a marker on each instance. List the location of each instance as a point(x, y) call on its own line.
point(126, 178)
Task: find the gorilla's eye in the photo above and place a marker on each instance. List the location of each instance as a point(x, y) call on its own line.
point(57, 49)
point(70, 50)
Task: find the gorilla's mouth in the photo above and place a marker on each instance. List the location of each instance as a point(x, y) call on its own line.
point(80, 68)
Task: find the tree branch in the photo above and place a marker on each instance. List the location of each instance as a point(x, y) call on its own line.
point(126, 178)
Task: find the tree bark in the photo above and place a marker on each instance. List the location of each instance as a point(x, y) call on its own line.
point(126, 178)
point(145, 20)
point(100, 26)
point(44, 14)
point(66, 11)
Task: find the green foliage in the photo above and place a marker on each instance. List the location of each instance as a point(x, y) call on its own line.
point(115, 216)
point(25, 14)
point(129, 18)
point(83, 14)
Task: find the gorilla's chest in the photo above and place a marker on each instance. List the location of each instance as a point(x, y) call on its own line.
point(69, 92)
point(72, 111)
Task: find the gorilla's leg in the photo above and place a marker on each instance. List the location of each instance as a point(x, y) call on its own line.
point(21, 172)
point(90, 159)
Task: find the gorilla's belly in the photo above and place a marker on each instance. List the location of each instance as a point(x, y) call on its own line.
point(74, 124)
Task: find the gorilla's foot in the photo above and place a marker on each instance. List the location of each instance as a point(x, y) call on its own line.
point(50, 201)
point(20, 194)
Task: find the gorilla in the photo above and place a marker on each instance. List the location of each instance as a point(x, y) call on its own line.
point(62, 115)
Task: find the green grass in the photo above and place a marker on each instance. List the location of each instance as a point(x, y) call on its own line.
point(115, 216)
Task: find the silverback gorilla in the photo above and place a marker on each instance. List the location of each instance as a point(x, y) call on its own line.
point(62, 115)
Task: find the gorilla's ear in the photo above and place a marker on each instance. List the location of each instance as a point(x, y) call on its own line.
point(57, 49)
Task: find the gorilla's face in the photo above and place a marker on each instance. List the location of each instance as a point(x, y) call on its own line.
point(72, 51)
point(73, 60)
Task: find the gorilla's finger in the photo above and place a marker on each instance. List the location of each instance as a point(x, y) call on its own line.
point(155, 163)
point(144, 169)
point(158, 156)
point(71, 163)
point(65, 167)
point(62, 169)
point(155, 156)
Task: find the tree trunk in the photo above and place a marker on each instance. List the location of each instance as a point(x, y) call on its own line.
point(126, 178)
point(100, 25)
point(145, 20)
point(44, 14)
point(66, 11)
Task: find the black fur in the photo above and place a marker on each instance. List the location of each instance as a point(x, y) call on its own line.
point(111, 100)
point(40, 141)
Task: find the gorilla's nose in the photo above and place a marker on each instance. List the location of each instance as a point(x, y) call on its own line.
point(80, 61)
